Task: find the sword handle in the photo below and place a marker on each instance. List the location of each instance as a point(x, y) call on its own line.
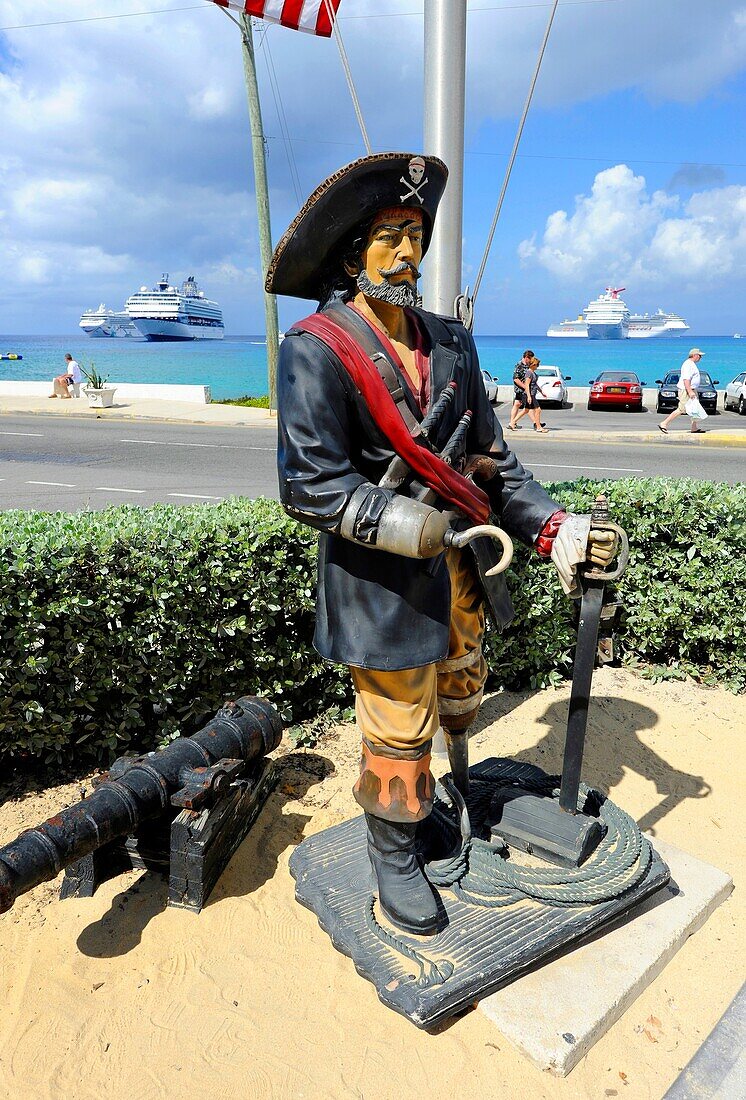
point(592, 573)
point(601, 521)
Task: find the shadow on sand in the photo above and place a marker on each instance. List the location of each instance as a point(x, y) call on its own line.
point(120, 929)
point(613, 746)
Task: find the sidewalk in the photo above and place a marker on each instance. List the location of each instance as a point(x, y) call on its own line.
point(710, 438)
point(181, 412)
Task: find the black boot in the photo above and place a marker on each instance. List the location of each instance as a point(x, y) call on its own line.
point(405, 895)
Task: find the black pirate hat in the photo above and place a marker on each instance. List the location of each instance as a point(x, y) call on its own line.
point(300, 264)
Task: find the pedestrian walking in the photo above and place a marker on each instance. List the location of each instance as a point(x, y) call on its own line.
point(520, 391)
point(72, 376)
point(689, 402)
point(526, 382)
point(533, 407)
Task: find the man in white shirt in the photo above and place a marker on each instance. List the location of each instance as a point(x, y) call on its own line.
point(689, 379)
point(72, 376)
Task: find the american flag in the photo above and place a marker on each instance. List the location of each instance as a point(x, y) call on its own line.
point(312, 16)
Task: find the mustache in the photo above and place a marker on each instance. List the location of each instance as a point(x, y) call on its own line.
point(405, 265)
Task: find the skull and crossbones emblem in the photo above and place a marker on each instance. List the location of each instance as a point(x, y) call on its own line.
point(415, 183)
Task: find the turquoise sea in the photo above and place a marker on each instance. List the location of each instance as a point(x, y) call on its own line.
point(237, 365)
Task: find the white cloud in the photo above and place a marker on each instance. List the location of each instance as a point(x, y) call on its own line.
point(126, 148)
point(209, 102)
point(622, 232)
point(672, 50)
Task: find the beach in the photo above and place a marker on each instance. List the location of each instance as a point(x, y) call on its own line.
point(250, 998)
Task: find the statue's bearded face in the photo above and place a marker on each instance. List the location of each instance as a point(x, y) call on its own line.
point(391, 257)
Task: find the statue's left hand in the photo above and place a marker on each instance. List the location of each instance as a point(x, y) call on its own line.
point(602, 547)
point(577, 542)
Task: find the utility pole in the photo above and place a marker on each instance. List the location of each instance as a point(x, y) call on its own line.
point(445, 91)
point(262, 202)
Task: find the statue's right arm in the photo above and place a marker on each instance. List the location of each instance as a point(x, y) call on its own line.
point(319, 485)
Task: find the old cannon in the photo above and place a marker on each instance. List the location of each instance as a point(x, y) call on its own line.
point(184, 810)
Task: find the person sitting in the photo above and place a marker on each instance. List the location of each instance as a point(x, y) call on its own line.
point(73, 376)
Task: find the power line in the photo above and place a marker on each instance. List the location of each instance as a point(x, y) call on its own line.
point(606, 156)
point(279, 107)
point(101, 18)
point(514, 151)
point(348, 77)
point(490, 7)
point(541, 156)
point(344, 18)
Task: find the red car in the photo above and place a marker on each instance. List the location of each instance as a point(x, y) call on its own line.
point(616, 389)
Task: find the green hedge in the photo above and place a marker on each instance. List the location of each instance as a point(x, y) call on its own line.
point(683, 591)
point(131, 625)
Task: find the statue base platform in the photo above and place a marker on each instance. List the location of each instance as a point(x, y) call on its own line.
point(480, 949)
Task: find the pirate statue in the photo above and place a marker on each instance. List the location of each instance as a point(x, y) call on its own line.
point(371, 389)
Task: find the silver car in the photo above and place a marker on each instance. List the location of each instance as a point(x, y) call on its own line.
point(490, 385)
point(552, 386)
point(735, 394)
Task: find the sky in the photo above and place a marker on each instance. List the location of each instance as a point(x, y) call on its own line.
point(125, 152)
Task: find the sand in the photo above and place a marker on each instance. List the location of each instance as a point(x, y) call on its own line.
point(118, 996)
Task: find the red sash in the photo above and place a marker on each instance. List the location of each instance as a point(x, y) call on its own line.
point(430, 468)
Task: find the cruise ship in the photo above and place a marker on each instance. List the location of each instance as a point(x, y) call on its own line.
point(103, 322)
point(167, 313)
point(607, 318)
point(578, 327)
point(644, 325)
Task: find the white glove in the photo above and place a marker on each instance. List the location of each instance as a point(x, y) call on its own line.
point(569, 550)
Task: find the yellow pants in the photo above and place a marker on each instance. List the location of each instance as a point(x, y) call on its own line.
point(403, 710)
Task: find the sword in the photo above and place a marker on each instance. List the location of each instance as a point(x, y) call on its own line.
point(398, 471)
point(593, 582)
point(534, 822)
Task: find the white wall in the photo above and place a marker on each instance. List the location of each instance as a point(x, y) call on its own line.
point(195, 395)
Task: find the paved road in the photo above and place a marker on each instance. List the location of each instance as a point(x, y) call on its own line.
point(48, 463)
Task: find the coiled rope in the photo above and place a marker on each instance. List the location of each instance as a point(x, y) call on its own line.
point(479, 874)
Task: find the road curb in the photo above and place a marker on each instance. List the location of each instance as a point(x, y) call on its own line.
point(114, 414)
point(707, 439)
point(710, 438)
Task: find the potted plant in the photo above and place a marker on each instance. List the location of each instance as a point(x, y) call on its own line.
point(100, 396)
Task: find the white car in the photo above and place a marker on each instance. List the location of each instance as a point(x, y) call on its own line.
point(552, 385)
point(735, 394)
point(490, 386)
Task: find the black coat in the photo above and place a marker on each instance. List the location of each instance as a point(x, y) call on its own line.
point(376, 609)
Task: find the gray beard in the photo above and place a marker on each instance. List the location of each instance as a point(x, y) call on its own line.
point(401, 294)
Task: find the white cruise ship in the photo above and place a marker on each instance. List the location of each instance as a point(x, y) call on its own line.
point(167, 313)
point(103, 322)
point(607, 318)
point(578, 327)
point(644, 325)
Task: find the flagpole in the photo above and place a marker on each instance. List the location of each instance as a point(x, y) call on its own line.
point(445, 83)
point(262, 203)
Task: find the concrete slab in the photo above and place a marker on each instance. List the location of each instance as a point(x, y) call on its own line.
point(555, 1014)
